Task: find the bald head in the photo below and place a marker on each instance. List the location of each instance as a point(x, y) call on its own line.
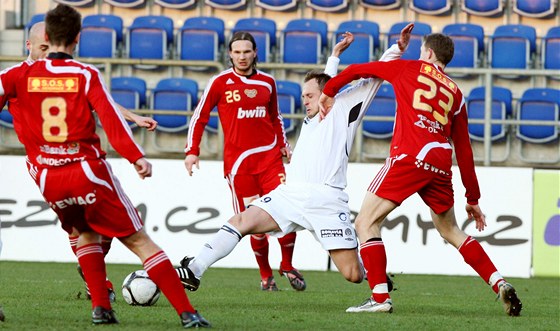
point(36, 43)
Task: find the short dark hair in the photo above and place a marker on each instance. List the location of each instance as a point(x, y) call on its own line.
point(321, 77)
point(442, 46)
point(244, 35)
point(62, 25)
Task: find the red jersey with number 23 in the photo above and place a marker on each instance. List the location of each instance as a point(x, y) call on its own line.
point(53, 117)
point(431, 113)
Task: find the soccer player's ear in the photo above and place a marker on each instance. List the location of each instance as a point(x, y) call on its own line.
point(77, 38)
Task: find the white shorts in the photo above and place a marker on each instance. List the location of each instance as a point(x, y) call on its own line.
point(321, 209)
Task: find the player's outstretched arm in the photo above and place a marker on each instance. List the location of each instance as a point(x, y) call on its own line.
point(342, 45)
point(405, 37)
point(325, 105)
point(191, 160)
point(143, 168)
point(142, 121)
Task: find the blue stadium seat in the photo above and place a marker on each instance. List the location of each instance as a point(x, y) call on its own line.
point(6, 119)
point(149, 37)
point(304, 41)
point(551, 49)
point(381, 4)
point(366, 41)
point(501, 109)
point(277, 5)
point(384, 104)
point(227, 4)
point(419, 31)
point(333, 6)
point(512, 46)
point(264, 32)
point(173, 94)
point(431, 7)
point(133, 86)
point(100, 36)
point(176, 4)
point(535, 8)
point(132, 4)
point(77, 3)
point(489, 8)
point(538, 104)
point(200, 39)
point(289, 101)
point(469, 44)
point(7, 130)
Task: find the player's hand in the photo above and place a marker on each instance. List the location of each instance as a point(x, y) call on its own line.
point(287, 152)
point(405, 37)
point(143, 168)
point(474, 212)
point(325, 105)
point(191, 160)
point(145, 122)
point(341, 46)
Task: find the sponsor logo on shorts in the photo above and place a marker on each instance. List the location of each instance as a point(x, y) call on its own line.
point(88, 199)
point(343, 217)
point(428, 167)
point(330, 233)
point(348, 232)
point(266, 199)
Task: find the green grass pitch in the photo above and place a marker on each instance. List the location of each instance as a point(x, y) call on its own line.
point(50, 296)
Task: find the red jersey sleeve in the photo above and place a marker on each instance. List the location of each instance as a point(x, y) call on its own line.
point(201, 115)
point(464, 155)
point(385, 70)
point(115, 126)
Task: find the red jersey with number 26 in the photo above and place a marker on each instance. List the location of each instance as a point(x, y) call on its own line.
point(252, 124)
point(431, 113)
point(54, 114)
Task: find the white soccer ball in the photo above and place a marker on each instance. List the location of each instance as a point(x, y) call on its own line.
point(139, 290)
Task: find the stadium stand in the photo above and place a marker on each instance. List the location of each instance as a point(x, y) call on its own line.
point(289, 101)
point(227, 4)
point(328, 5)
point(304, 41)
point(78, 3)
point(7, 138)
point(366, 41)
point(176, 4)
point(149, 37)
point(538, 104)
point(179, 94)
point(431, 7)
point(534, 8)
point(131, 4)
point(277, 5)
point(200, 39)
point(512, 46)
point(381, 4)
point(384, 104)
point(34, 19)
point(501, 109)
point(101, 36)
point(131, 90)
point(469, 45)
point(551, 49)
point(490, 8)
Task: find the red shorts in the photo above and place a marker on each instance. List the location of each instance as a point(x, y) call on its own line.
point(245, 188)
point(87, 196)
point(402, 176)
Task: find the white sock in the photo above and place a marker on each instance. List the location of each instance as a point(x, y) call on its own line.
point(221, 244)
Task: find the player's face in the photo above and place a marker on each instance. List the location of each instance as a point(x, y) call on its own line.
point(310, 95)
point(242, 56)
point(37, 46)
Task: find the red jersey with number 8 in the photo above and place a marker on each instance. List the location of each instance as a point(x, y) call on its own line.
point(54, 118)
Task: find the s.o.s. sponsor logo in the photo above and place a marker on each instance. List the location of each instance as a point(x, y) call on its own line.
point(329, 233)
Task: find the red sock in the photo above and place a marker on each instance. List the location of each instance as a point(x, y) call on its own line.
point(259, 243)
point(375, 262)
point(90, 258)
point(476, 257)
point(106, 244)
point(161, 271)
point(287, 244)
point(73, 243)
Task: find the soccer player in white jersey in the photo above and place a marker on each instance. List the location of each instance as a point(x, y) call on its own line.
point(313, 197)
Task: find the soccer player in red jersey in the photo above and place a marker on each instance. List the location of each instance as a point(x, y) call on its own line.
point(431, 116)
point(59, 95)
point(255, 142)
point(38, 48)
